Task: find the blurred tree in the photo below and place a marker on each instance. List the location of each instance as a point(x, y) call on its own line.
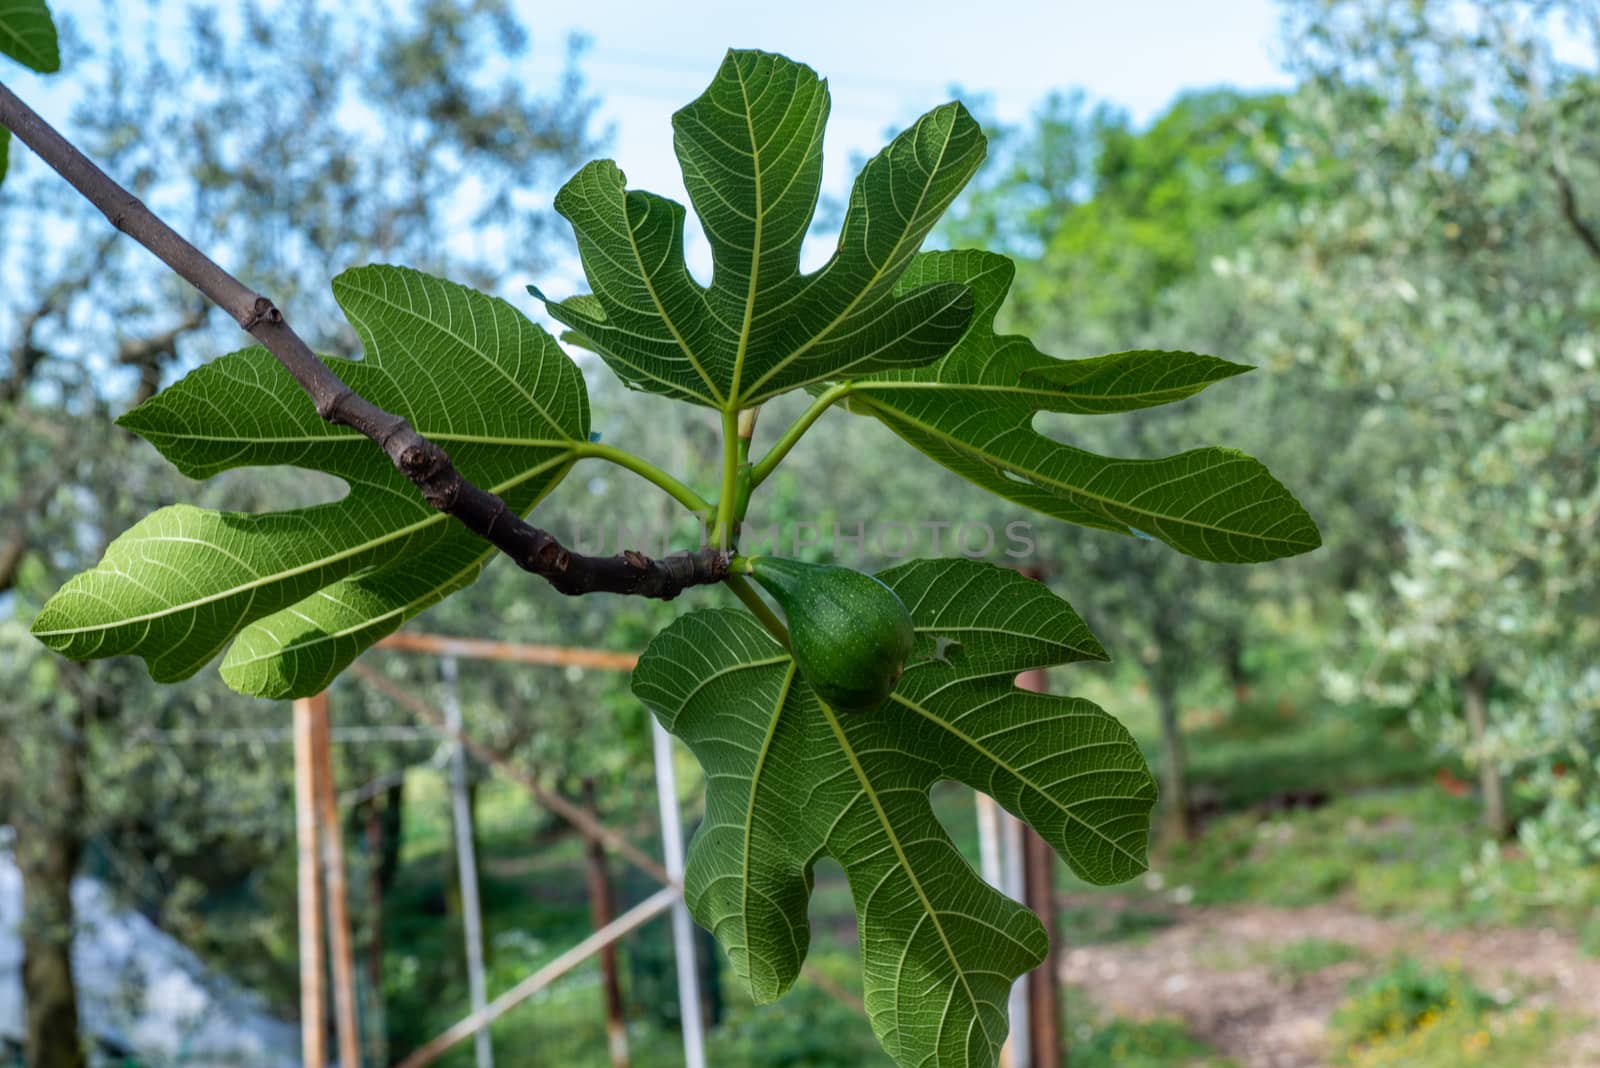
point(362, 135)
point(1458, 276)
point(1125, 232)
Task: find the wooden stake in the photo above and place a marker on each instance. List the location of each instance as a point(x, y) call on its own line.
point(344, 977)
point(1045, 1045)
point(313, 995)
point(510, 652)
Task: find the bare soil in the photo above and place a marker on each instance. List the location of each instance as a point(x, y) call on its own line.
point(1217, 970)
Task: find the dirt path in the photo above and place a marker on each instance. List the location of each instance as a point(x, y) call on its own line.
point(1214, 970)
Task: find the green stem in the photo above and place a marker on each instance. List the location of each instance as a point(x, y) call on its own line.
point(723, 533)
point(796, 430)
point(752, 600)
point(649, 472)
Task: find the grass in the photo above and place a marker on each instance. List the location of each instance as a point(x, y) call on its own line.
point(1099, 1040)
point(1123, 1043)
point(1306, 957)
point(1413, 1016)
point(1399, 851)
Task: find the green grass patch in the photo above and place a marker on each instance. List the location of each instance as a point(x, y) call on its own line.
point(1414, 1016)
point(1308, 956)
point(1123, 1043)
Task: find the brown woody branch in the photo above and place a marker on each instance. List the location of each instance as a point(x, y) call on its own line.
point(150, 355)
point(420, 460)
point(1573, 213)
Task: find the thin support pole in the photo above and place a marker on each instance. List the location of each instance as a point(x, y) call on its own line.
point(694, 1051)
point(344, 977)
point(313, 995)
point(641, 913)
point(466, 863)
point(992, 867)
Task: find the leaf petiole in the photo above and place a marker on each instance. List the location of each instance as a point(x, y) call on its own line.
point(797, 429)
point(649, 472)
point(760, 609)
point(722, 534)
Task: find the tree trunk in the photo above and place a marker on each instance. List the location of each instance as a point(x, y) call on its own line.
point(1233, 663)
point(49, 824)
point(1473, 687)
point(1175, 781)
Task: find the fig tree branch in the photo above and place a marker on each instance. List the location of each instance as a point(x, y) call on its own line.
point(421, 461)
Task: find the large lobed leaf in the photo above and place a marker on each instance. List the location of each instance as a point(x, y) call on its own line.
point(28, 35)
point(973, 412)
point(305, 591)
point(789, 780)
point(751, 152)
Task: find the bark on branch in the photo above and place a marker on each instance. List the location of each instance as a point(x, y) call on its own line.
point(1573, 213)
point(427, 465)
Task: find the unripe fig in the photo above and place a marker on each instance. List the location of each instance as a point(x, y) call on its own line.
point(849, 633)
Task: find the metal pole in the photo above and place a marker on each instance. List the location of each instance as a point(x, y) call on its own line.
point(993, 871)
point(466, 863)
point(313, 996)
point(1012, 882)
point(694, 1053)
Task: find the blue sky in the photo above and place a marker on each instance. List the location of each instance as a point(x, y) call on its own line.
point(888, 62)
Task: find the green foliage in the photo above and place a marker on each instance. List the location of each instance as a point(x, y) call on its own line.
point(751, 151)
point(1414, 1016)
point(1404, 999)
point(789, 780)
point(1121, 1043)
point(908, 338)
point(1311, 955)
point(973, 412)
point(306, 591)
point(28, 35)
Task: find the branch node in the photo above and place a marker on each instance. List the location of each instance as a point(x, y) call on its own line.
point(262, 311)
point(329, 407)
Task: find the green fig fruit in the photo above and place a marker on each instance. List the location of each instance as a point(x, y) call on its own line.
point(849, 633)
